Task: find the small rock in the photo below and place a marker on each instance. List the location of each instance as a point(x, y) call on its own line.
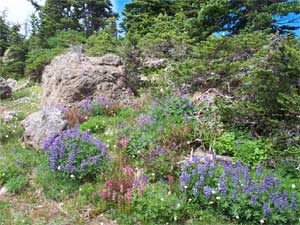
point(12, 83)
point(5, 89)
point(41, 125)
point(3, 191)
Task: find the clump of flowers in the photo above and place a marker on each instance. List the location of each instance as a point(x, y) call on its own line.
point(144, 121)
point(124, 181)
point(234, 190)
point(76, 154)
point(100, 106)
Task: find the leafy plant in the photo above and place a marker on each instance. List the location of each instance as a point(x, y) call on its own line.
point(242, 146)
point(157, 205)
point(93, 125)
point(17, 184)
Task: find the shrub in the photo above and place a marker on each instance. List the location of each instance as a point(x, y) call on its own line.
point(76, 154)
point(237, 192)
point(241, 146)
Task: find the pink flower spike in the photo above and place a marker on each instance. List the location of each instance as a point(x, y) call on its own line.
point(171, 179)
point(117, 142)
point(119, 200)
point(114, 195)
point(102, 195)
point(124, 142)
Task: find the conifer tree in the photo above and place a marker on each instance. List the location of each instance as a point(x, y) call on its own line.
point(4, 34)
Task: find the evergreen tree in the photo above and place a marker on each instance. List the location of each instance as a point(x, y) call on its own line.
point(140, 14)
point(14, 67)
point(4, 34)
point(78, 15)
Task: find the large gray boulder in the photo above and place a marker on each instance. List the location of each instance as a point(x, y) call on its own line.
point(5, 90)
point(73, 77)
point(41, 125)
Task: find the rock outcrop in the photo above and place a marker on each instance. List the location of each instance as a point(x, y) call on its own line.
point(40, 125)
point(5, 89)
point(73, 77)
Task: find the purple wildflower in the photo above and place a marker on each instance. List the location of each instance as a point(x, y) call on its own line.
point(253, 200)
point(195, 191)
point(223, 186)
point(207, 192)
point(234, 194)
point(266, 209)
point(293, 204)
point(259, 169)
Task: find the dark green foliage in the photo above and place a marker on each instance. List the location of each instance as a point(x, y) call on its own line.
point(4, 34)
point(139, 14)
point(37, 60)
point(102, 42)
point(78, 15)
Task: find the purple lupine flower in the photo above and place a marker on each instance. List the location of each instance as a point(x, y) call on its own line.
point(202, 169)
point(211, 169)
point(145, 120)
point(207, 192)
point(103, 101)
point(86, 136)
point(185, 177)
point(273, 197)
point(268, 182)
point(266, 209)
point(259, 170)
point(69, 167)
point(195, 191)
point(202, 179)
point(236, 178)
point(223, 185)
point(253, 200)
point(144, 179)
point(136, 182)
point(227, 167)
point(281, 202)
point(293, 204)
point(234, 194)
point(246, 174)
